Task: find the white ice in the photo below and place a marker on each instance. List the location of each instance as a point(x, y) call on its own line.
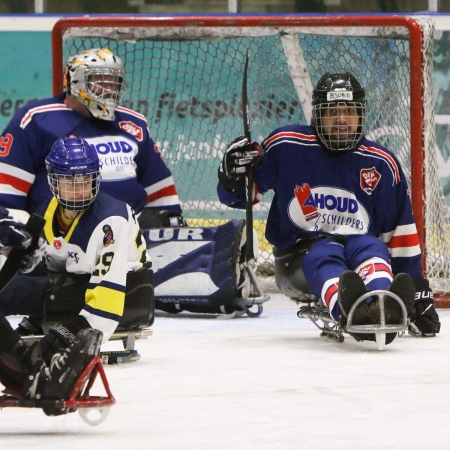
point(259, 383)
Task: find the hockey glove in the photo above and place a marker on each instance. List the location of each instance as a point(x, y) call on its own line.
point(61, 336)
point(239, 156)
point(160, 218)
point(423, 320)
point(30, 325)
point(33, 257)
point(13, 234)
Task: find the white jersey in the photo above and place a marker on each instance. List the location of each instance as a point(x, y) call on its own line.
point(104, 241)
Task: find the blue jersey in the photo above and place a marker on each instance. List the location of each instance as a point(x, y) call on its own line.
point(320, 192)
point(105, 242)
point(132, 167)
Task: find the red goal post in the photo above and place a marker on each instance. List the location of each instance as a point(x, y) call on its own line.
point(185, 74)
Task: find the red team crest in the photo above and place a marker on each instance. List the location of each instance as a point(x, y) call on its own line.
point(365, 271)
point(133, 129)
point(57, 244)
point(306, 201)
point(369, 180)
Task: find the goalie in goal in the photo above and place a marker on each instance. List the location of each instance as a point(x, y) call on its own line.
point(341, 220)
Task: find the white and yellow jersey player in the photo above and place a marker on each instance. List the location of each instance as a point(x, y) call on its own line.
point(88, 232)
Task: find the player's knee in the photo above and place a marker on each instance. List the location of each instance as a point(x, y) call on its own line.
point(362, 248)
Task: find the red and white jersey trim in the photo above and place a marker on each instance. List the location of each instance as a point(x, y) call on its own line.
point(15, 181)
point(162, 193)
point(291, 138)
point(42, 109)
point(403, 241)
point(132, 113)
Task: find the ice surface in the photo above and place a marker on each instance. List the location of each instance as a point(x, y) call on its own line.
point(264, 383)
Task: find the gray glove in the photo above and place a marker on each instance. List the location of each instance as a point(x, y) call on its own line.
point(32, 259)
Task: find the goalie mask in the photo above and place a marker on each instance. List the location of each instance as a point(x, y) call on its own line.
point(96, 79)
point(339, 111)
point(73, 170)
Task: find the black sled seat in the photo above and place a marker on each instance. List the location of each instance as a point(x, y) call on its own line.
point(66, 297)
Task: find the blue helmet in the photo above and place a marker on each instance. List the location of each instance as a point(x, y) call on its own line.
point(72, 165)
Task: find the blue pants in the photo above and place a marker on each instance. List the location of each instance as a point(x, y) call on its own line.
point(328, 259)
point(24, 294)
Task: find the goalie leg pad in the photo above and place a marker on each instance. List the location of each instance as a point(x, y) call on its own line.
point(196, 268)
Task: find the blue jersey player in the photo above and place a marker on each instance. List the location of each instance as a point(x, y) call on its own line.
point(341, 221)
point(133, 168)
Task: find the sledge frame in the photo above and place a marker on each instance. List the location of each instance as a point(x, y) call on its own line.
point(316, 311)
point(80, 398)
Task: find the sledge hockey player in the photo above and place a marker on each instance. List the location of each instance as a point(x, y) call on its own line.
point(22, 369)
point(132, 167)
point(341, 221)
point(93, 242)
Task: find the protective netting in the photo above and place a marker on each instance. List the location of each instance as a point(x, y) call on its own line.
point(188, 82)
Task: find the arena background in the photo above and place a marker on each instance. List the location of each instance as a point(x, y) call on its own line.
point(25, 74)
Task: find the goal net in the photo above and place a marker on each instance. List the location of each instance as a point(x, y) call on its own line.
point(185, 75)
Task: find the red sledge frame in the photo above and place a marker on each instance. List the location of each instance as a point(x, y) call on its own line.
point(79, 398)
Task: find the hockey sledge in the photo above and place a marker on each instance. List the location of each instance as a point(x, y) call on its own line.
point(313, 309)
point(92, 409)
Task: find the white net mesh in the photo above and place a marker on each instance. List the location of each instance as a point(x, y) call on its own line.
point(187, 81)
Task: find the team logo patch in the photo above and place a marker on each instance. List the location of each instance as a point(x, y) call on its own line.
point(57, 244)
point(108, 237)
point(365, 271)
point(306, 201)
point(133, 129)
point(5, 144)
point(369, 180)
point(327, 209)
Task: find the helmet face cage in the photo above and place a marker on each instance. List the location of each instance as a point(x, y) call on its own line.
point(96, 79)
point(75, 193)
point(73, 170)
point(340, 125)
point(339, 111)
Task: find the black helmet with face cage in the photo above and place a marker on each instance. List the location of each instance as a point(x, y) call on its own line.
point(338, 89)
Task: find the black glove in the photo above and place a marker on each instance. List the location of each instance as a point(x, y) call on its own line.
point(423, 320)
point(61, 336)
point(30, 325)
point(13, 234)
point(160, 218)
point(239, 156)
